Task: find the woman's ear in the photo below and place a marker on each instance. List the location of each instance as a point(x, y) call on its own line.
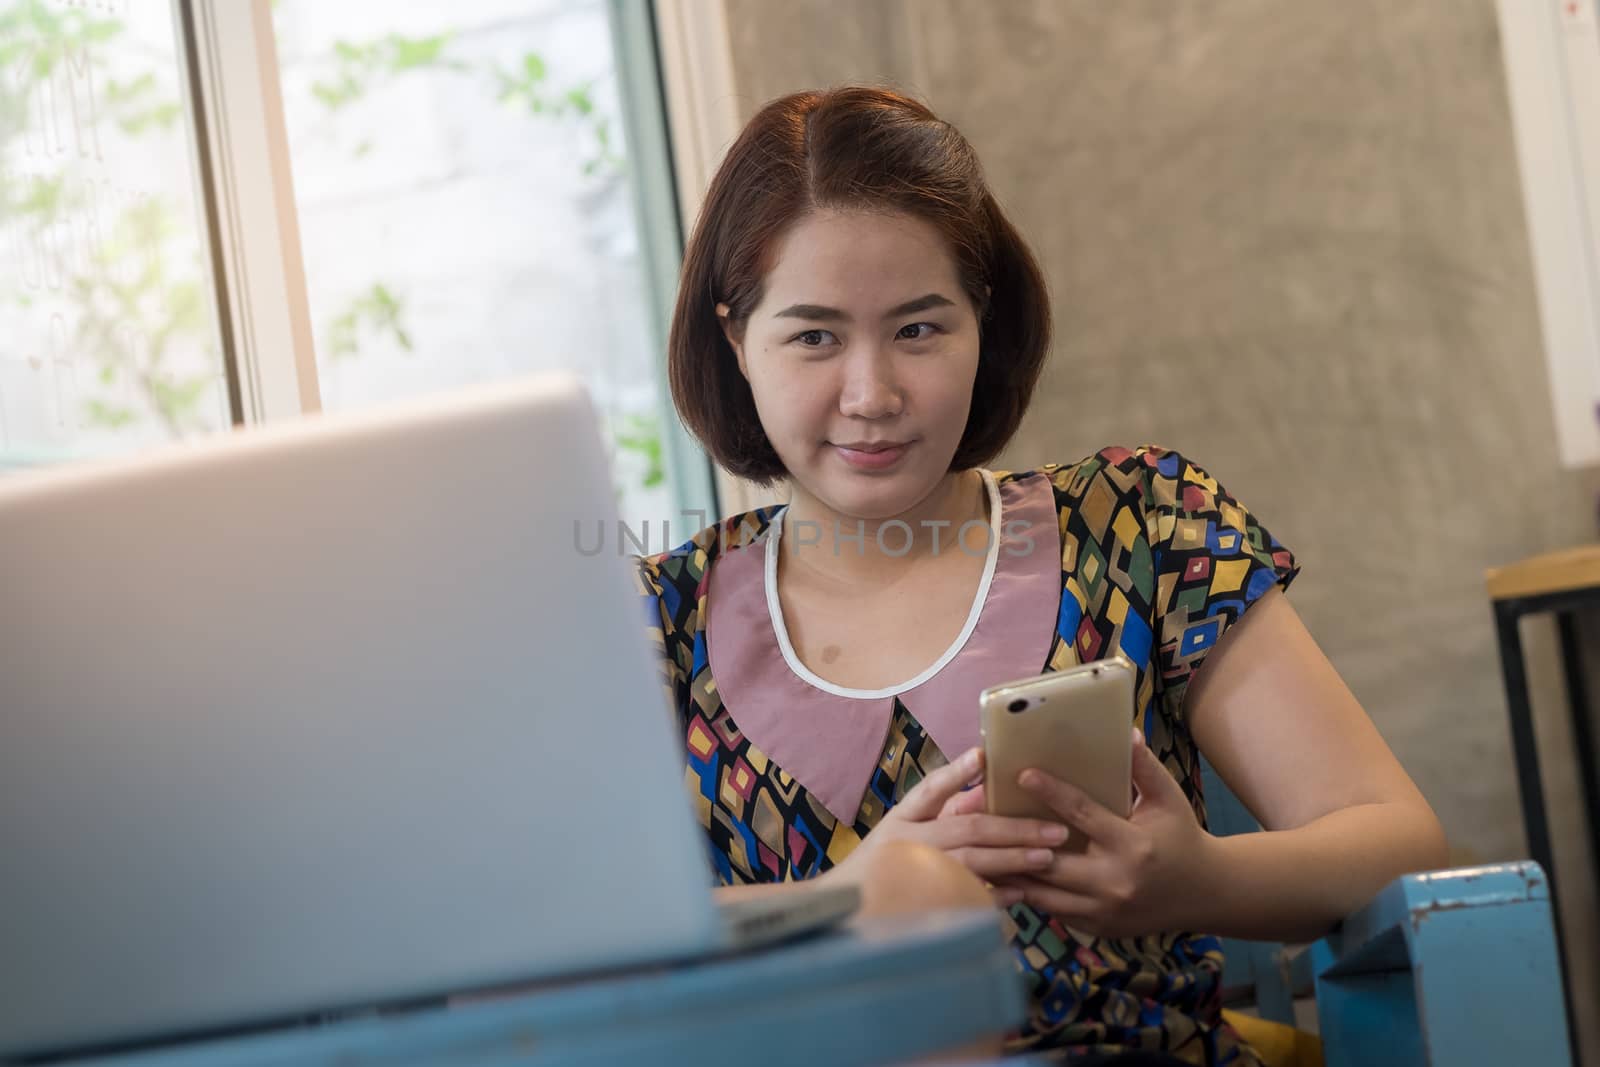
point(735, 342)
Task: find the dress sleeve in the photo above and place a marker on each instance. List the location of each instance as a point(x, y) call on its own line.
point(1212, 559)
point(663, 604)
point(657, 603)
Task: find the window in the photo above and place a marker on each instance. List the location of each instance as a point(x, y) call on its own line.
point(480, 190)
point(463, 178)
point(1552, 55)
point(108, 332)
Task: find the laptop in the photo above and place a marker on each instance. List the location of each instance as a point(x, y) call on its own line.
point(335, 715)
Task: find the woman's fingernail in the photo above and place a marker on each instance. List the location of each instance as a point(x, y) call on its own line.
point(1138, 736)
point(1054, 835)
point(969, 759)
point(1027, 779)
point(1040, 857)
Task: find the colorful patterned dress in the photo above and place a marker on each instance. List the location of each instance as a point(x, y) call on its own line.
point(1138, 550)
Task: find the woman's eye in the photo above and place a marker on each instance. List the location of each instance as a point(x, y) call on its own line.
point(915, 329)
point(812, 338)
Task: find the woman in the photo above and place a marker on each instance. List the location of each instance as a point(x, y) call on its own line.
point(858, 320)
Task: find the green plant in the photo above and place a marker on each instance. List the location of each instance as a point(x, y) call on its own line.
point(129, 291)
point(527, 87)
point(641, 435)
point(135, 304)
point(377, 309)
point(359, 66)
point(131, 328)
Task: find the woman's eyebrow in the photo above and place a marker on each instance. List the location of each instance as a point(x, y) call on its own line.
point(818, 313)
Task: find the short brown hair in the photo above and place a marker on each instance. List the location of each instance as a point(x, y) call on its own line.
point(856, 149)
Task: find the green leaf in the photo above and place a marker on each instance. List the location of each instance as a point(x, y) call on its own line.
point(121, 92)
point(187, 310)
point(162, 116)
point(44, 197)
point(178, 399)
point(641, 435)
point(379, 310)
point(114, 418)
point(580, 99)
point(328, 94)
point(412, 52)
point(102, 31)
point(533, 66)
point(342, 342)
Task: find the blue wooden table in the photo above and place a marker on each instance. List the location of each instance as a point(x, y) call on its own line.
point(1454, 968)
point(876, 991)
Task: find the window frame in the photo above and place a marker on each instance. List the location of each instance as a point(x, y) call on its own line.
point(1546, 67)
point(241, 157)
point(243, 173)
point(696, 56)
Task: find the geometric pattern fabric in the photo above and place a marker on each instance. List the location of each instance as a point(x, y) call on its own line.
point(1157, 561)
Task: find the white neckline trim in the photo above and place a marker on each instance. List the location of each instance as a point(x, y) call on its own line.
point(805, 674)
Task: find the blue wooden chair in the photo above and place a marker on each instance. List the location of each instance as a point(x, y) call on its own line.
point(1453, 967)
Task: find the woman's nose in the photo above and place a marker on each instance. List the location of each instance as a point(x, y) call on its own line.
point(870, 389)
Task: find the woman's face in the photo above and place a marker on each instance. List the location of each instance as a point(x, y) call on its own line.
point(861, 356)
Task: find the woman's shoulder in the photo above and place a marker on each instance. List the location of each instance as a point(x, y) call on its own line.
point(684, 568)
point(1166, 500)
point(1150, 471)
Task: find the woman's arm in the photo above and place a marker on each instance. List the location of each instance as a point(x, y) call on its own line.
point(756, 889)
point(1340, 816)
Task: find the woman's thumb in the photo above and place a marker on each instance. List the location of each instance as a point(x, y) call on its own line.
point(1151, 777)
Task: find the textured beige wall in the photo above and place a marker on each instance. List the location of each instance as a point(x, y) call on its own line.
point(1286, 239)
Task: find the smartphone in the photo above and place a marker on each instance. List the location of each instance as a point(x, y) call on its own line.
point(1076, 724)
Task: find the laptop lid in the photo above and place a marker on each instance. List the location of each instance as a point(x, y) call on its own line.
point(329, 715)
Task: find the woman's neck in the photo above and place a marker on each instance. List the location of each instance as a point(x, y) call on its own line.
point(833, 546)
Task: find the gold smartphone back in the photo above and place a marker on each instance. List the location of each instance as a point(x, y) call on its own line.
point(1075, 724)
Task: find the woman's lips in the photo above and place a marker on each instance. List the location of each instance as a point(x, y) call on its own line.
point(873, 457)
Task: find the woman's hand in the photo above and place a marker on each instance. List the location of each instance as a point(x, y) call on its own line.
point(1139, 875)
point(936, 812)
